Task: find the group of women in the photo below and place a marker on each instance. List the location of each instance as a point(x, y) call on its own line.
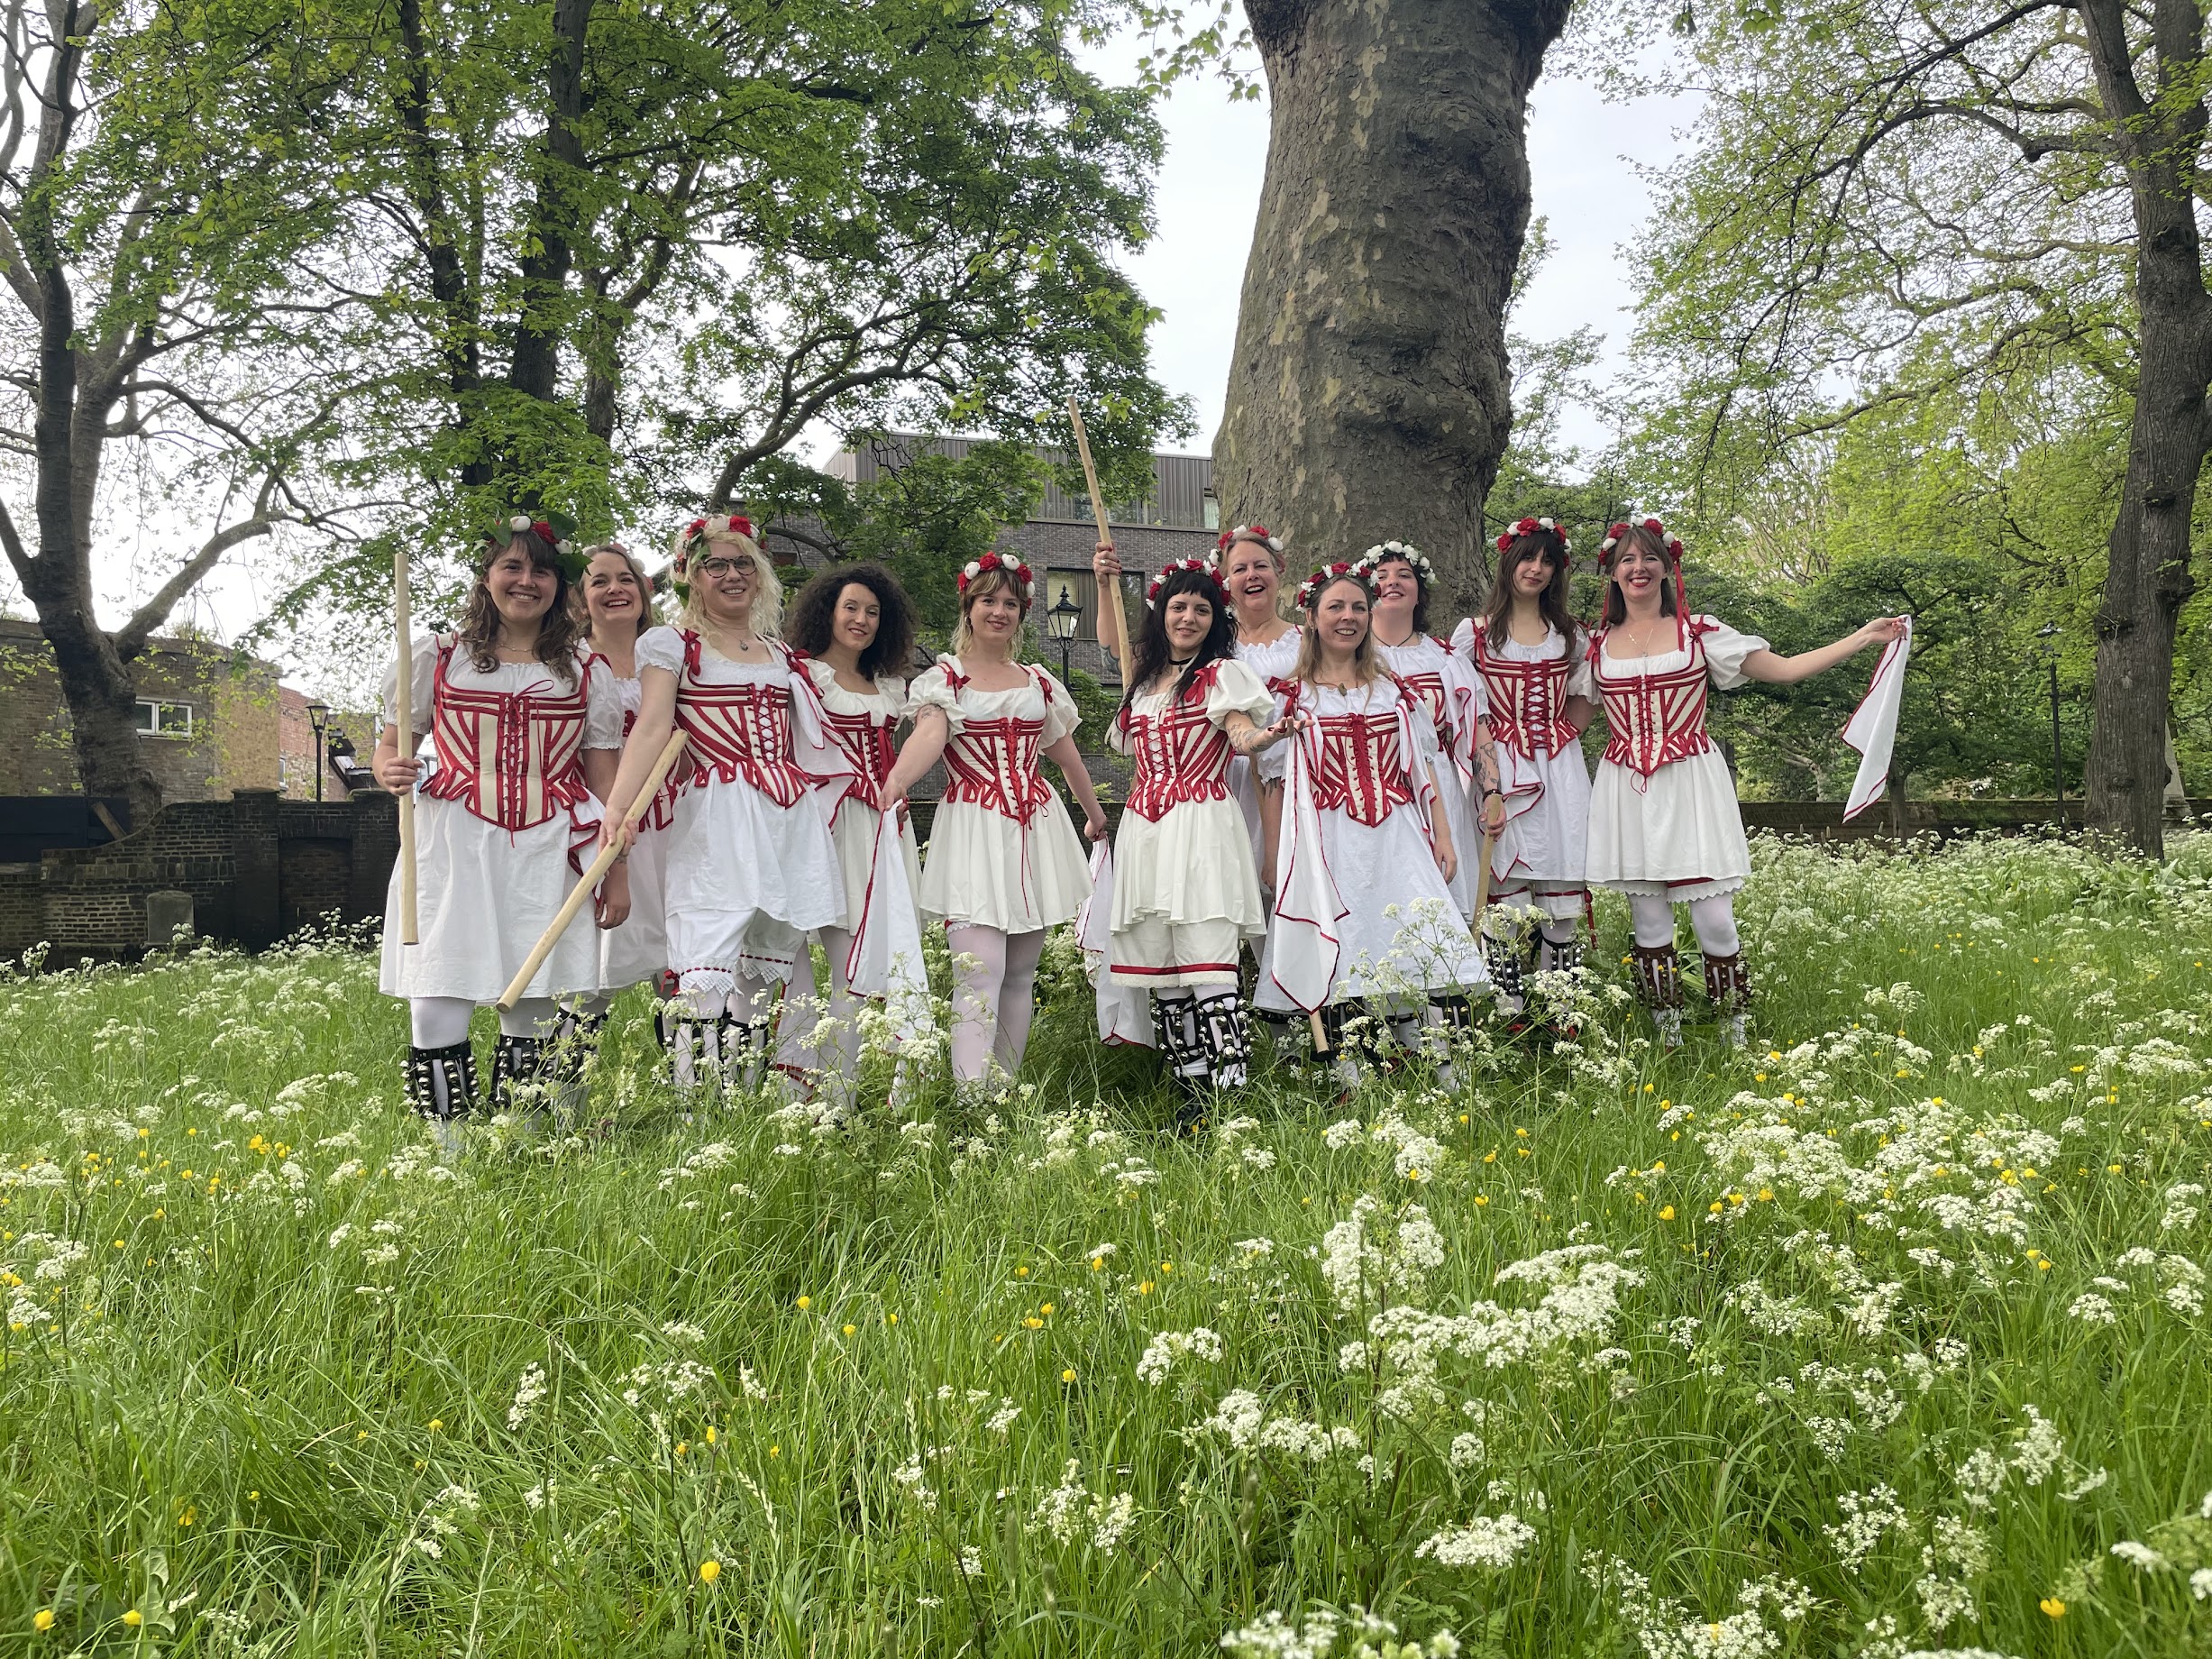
point(1322, 795)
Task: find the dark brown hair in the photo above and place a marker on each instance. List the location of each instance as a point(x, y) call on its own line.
point(1551, 602)
point(1154, 656)
point(558, 631)
point(1420, 588)
point(1636, 536)
point(811, 627)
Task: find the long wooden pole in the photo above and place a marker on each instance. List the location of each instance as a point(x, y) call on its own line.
point(591, 877)
point(1482, 878)
point(1098, 512)
point(410, 931)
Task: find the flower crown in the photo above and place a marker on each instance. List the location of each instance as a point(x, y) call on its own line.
point(1613, 533)
point(1221, 546)
point(700, 531)
point(555, 530)
point(1309, 589)
point(1376, 556)
point(1008, 562)
point(1205, 566)
point(1535, 526)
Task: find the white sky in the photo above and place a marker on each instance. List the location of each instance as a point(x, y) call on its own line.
point(1583, 155)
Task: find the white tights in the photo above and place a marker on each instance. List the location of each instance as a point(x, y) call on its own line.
point(832, 1048)
point(441, 1022)
point(992, 1002)
point(1714, 921)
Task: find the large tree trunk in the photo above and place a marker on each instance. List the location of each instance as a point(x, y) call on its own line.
point(1370, 395)
point(2147, 574)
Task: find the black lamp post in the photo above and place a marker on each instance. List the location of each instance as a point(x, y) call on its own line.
point(1061, 616)
point(2049, 633)
point(318, 717)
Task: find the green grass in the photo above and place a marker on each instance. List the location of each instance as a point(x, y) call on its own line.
point(273, 1409)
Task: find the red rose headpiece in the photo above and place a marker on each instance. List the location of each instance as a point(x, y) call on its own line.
point(1203, 566)
point(700, 531)
point(1257, 531)
point(1309, 589)
point(1008, 562)
point(1536, 526)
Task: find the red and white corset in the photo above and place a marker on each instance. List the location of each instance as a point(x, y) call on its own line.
point(865, 741)
point(742, 730)
point(512, 758)
point(1363, 769)
point(1528, 700)
point(1435, 701)
point(1181, 754)
point(993, 764)
point(1654, 718)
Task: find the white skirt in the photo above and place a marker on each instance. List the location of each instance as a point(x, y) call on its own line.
point(637, 950)
point(1467, 836)
point(1185, 892)
point(1549, 844)
point(1405, 931)
point(984, 869)
point(483, 896)
point(747, 879)
point(1677, 835)
point(853, 830)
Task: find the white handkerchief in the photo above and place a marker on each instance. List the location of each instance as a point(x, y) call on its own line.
point(1872, 729)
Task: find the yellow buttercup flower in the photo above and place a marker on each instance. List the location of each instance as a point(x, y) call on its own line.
point(2053, 1607)
point(709, 1571)
point(134, 1618)
point(1069, 1375)
point(43, 1619)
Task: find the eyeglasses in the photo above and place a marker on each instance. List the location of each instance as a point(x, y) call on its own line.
point(713, 570)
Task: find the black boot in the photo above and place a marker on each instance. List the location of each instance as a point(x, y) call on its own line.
point(1175, 1028)
point(1225, 1027)
point(1658, 988)
point(442, 1081)
point(517, 1063)
point(1729, 984)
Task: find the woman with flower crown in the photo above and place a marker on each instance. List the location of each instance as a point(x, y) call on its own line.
point(1003, 863)
point(1186, 891)
point(1364, 909)
point(750, 867)
point(1533, 658)
point(1665, 825)
point(527, 727)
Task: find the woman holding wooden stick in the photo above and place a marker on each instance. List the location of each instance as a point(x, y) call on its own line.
point(526, 728)
point(750, 868)
point(1004, 864)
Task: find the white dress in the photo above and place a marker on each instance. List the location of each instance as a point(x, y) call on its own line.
point(1357, 783)
point(750, 868)
point(1664, 822)
point(1276, 660)
point(861, 724)
point(1186, 890)
point(1448, 686)
point(1003, 852)
point(503, 825)
point(1545, 843)
point(637, 950)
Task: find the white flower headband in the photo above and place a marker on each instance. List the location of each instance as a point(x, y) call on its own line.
point(1376, 556)
point(1008, 562)
point(1259, 532)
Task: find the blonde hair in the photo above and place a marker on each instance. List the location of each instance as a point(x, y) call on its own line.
point(1367, 664)
point(767, 617)
point(649, 613)
point(985, 581)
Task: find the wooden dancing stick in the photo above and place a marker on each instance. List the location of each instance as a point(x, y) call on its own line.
point(1320, 1031)
point(1482, 877)
point(1098, 512)
point(591, 877)
point(410, 931)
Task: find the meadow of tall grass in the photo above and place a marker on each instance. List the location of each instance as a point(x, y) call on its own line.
point(1885, 1337)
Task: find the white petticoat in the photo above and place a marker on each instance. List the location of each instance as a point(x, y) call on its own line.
point(853, 829)
point(483, 896)
point(747, 879)
point(637, 950)
point(986, 870)
point(1423, 944)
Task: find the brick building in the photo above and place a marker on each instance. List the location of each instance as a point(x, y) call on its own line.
point(208, 718)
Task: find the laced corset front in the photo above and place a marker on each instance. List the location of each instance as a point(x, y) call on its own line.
point(992, 764)
point(1527, 700)
point(866, 740)
point(1362, 767)
point(512, 758)
point(1654, 718)
point(740, 730)
point(1181, 754)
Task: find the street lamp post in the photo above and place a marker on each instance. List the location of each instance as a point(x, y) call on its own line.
point(1061, 616)
point(318, 717)
point(2049, 633)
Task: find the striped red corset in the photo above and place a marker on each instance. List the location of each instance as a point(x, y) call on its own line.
point(1181, 755)
point(1654, 718)
point(662, 811)
point(1361, 770)
point(865, 741)
point(1528, 700)
point(512, 758)
point(741, 731)
point(993, 764)
point(1430, 689)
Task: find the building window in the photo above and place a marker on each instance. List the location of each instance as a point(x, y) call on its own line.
point(1210, 510)
point(164, 720)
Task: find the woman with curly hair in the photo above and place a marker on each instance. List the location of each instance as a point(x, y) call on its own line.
point(1533, 658)
point(1665, 826)
point(1004, 863)
point(853, 628)
point(1186, 892)
point(527, 727)
point(751, 869)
